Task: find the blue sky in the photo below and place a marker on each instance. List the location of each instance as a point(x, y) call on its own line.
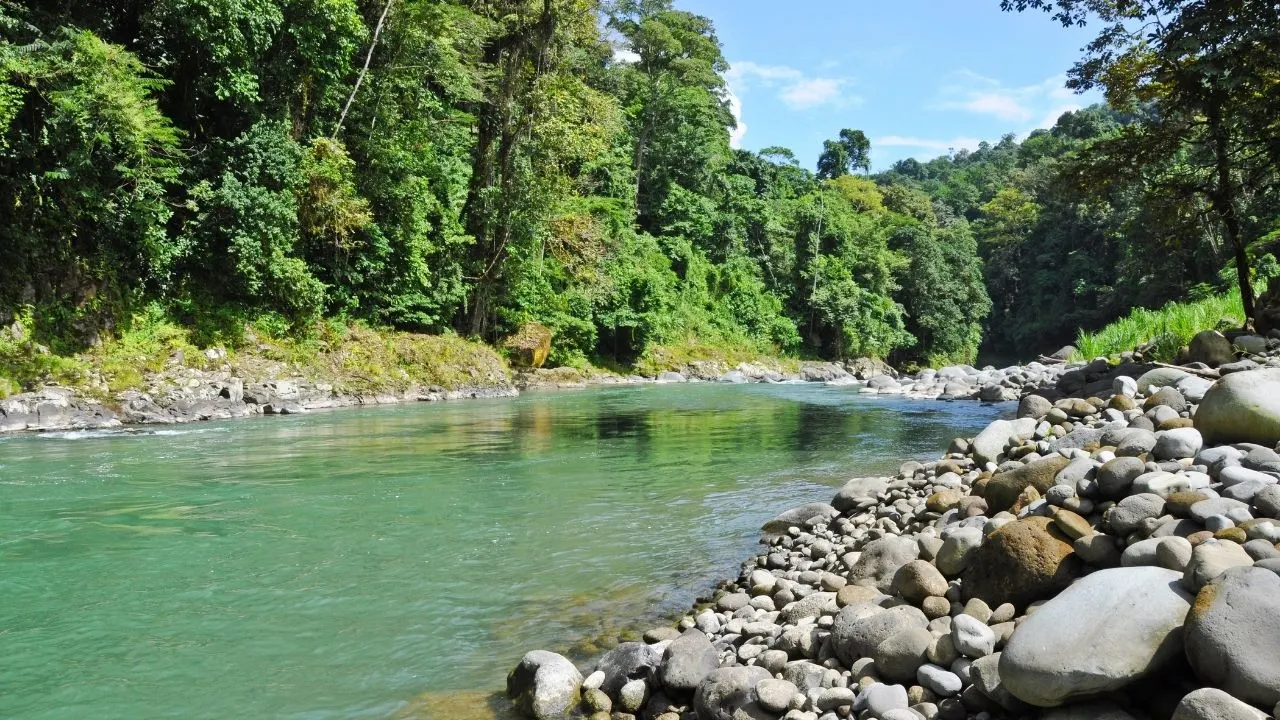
point(919, 77)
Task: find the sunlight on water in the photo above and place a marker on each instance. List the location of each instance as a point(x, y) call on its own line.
point(396, 562)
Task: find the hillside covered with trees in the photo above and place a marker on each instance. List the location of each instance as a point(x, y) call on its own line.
point(469, 166)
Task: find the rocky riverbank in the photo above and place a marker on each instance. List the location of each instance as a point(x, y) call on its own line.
point(1111, 553)
point(181, 393)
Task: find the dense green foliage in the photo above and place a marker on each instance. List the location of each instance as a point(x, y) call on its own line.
point(469, 166)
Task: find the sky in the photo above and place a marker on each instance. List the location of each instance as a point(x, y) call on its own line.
point(919, 77)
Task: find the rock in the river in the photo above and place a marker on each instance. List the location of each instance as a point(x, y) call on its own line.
point(629, 661)
point(799, 517)
point(1104, 632)
point(858, 489)
point(1003, 489)
point(1023, 561)
point(1214, 704)
point(1231, 636)
point(687, 661)
point(881, 559)
point(727, 690)
point(544, 685)
point(1242, 407)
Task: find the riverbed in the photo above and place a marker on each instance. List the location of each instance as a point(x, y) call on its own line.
point(361, 563)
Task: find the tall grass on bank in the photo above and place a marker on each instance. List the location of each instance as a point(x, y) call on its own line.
point(1170, 327)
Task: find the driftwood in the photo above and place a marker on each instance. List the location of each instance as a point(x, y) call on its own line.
point(1208, 374)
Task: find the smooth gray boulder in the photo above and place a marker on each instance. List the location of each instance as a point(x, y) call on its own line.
point(1177, 443)
point(629, 661)
point(687, 661)
point(544, 685)
point(726, 690)
point(1107, 630)
point(859, 629)
point(1231, 637)
point(881, 559)
point(1242, 407)
point(799, 517)
point(990, 443)
point(957, 545)
point(900, 655)
point(1214, 704)
point(857, 489)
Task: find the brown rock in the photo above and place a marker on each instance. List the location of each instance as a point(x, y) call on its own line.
point(1028, 495)
point(1234, 534)
point(1071, 524)
point(1179, 504)
point(1178, 422)
point(942, 501)
point(972, 506)
point(855, 594)
point(1024, 561)
point(1198, 537)
point(1003, 489)
point(1121, 403)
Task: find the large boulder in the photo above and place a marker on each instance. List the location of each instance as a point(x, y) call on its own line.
point(544, 685)
point(727, 690)
point(1231, 637)
point(1211, 348)
point(859, 629)
point(799, 517)
point(1003, 488)
point(1242, 407)
point(1024, 561)
point(1101, 634)
point(990, 443)
point(629, 661)
point(881, 559)
point(687, 661)
point(858, 489)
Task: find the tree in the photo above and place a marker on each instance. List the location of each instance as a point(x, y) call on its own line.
point(1206, 70)
point(850, 153)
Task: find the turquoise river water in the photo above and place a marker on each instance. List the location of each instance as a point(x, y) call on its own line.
point(395, 562)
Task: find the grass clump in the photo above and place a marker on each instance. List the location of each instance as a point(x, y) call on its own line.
point(1169, 327)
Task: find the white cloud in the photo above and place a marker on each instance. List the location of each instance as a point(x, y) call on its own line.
point(926, 145)
point(795, 88)
point(738, 133)
point(982, 95)
point(622, 55)
point(811, 92)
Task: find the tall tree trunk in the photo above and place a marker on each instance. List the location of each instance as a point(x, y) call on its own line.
point(1223, 199)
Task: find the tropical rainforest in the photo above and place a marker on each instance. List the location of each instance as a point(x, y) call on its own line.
point(471, 166)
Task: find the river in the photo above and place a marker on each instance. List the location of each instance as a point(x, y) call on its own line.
point(382, 562)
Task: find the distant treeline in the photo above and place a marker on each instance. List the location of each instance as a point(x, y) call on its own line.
point(473, 165)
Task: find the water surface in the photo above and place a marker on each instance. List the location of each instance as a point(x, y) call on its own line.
point(361, 563)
